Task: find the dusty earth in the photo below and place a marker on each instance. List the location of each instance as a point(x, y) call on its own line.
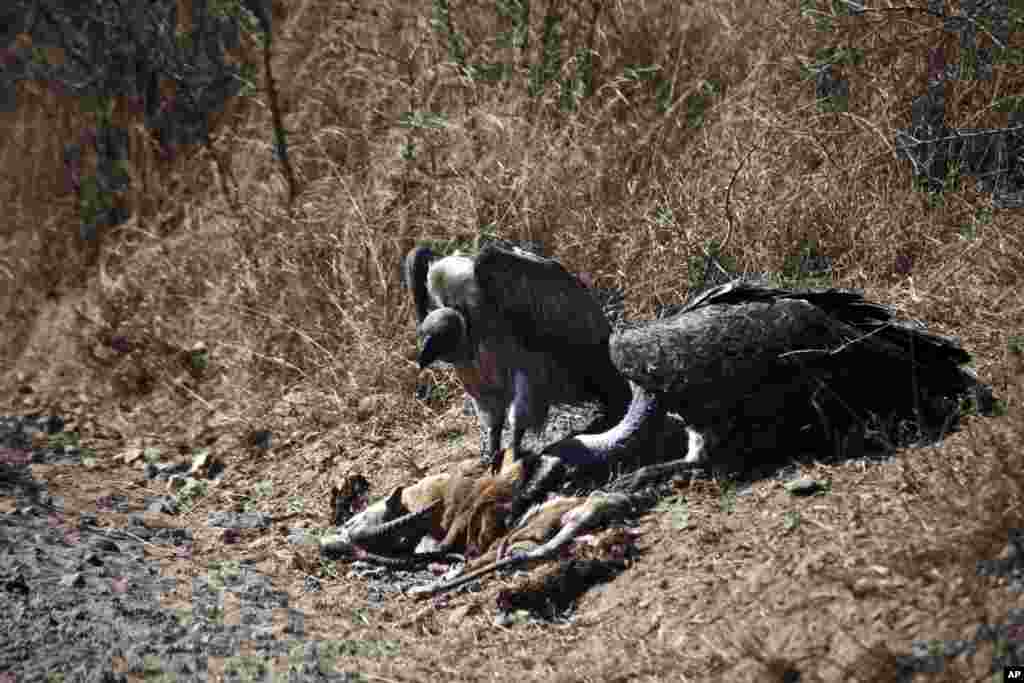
point(100, 583)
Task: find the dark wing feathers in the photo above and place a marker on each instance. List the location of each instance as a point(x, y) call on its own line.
point(414, 272)
point(744, 330)
point(709, 347)
point(546, 305)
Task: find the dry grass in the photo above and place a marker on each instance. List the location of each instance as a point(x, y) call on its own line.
point(304, 316)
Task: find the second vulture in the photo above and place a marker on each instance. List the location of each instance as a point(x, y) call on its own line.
point(757, 372)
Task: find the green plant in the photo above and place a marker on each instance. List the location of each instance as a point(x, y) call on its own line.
point(807, 266)
point(218, 573)
point(711, 266)
point(697, 103)
point(517, 12)
point(248, 667)
point(199, 359)
point(824, 19)
point(550, 64)
point(580, 84)
point(261, 491)
point(727, 501)
point(454, 41)
point(1015, 344)
point(678, 510)
point(791, 521)
point(63, 440)
point(190, 493)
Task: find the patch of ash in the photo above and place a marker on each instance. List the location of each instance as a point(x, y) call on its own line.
point(80, 602)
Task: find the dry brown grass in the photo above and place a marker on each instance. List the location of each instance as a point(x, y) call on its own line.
point(304, 315)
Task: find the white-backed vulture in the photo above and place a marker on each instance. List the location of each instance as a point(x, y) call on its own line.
point(521, 331)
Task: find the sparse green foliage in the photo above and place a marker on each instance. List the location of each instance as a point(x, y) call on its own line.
point(641, 72)
point(550, 64)
point(441, 392)
point(1009, 55)
point(262, 491)
point(214, 613)
point(806, 267)
point(199, 359)
point(938, 189)
point(463, 245)
point(219, 572)
point(419, 123)
point(492, 72)
point(664, 217)
point(249, 667)
point(968, 65)
point(982, 216)
point(454, 41)
point(423, 120)
point(839, 56)
point(153, 670)
point(92, 202)
point(453, 436)
point(697, 103)
point(713, 265)
point(184, 41)
point(580, 84)
point(837, 102)
point(63, 440)
point(99, 106)
point(247, 75)
point(329, 569)
point(517, 12)
point(953, 177)
point(824, 14)
point(1000, 408)
point(1009, 103)
point(791, 521)
point(678, 510)
point(727, 500)
point(189, 494)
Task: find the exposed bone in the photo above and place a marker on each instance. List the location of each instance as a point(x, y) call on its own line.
point(468, 509)
point(594, 511)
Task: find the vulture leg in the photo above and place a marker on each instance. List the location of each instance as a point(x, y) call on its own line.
point(491, 409)
point(520, 416)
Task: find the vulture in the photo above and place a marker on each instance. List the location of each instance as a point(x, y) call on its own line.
point(521, 332)
point(755, 371)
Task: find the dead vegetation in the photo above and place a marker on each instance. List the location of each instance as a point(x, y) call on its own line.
point(613, 139)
